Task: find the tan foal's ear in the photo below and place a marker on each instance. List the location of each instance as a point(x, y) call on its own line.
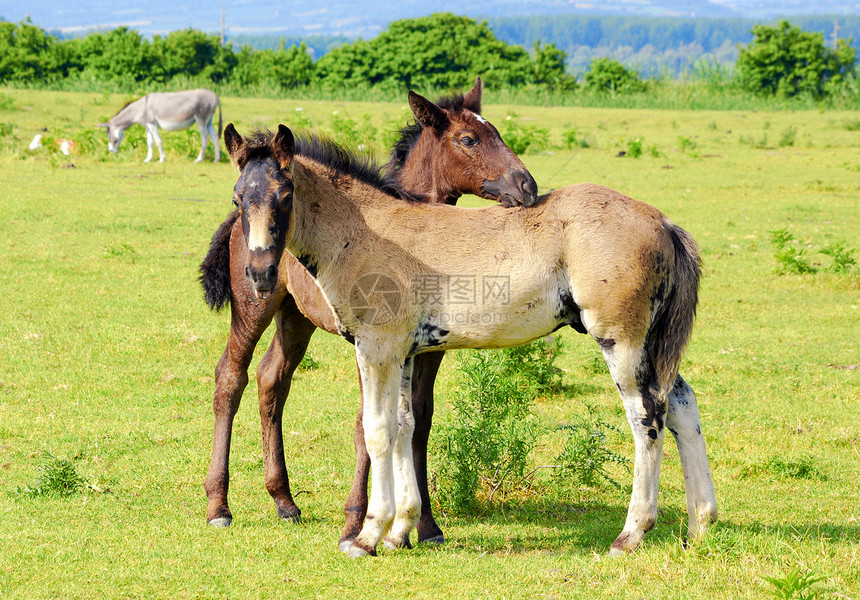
point(284, 147)
point(472, 100)
point(234, 142)
point(427, 113)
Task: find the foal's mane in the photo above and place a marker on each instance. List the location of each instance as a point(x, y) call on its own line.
point(339, 160)
point(410, 133)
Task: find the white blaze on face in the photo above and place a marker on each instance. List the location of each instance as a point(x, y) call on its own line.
point(480, 118)
point(260, 223)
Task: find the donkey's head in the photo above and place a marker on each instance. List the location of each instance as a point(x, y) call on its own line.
point(464, 153)
point(114, 136)
point(263, 195)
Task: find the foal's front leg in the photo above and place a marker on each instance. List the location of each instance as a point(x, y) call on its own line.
point(425, 369)
point(274, 377)
point(388, 436)
point(248, 322)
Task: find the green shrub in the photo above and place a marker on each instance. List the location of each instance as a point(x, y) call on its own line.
point(634, 148)
point(487, 445)
point(521, 138)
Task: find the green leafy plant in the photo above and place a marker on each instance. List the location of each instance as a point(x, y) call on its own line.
point(790, 257)
point(788, 136)
point(57, 477)
point(685, 144)
point(309, 362)
point(794, 585)
point(487, 445)
point(842, 257)
point(521, 138)
point(586, 453)
point(572, 139)
point(634, 148)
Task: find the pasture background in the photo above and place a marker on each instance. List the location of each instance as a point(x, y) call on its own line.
point(108, 354)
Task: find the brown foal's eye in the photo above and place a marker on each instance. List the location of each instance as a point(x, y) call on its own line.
point(467, 141)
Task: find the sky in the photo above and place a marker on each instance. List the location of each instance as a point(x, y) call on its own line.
point(354, 18)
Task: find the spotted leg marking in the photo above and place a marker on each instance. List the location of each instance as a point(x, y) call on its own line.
point(683, 421)
point(636, 381)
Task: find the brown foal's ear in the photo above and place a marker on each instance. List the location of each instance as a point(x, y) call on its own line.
point(234, 142)
point(472, 100)
point(284, 147)
point(427, 113)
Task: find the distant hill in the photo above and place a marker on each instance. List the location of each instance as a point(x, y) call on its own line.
point(366, 18)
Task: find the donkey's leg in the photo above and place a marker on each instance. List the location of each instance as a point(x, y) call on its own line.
point(274, 377)
point(149, 141)
point(381, 380)
point(231, 376)
point(153, 128)
point(407, 499)
point(204, 140)
point(636, 380)
point(683, 421)
point(425, 369)
point(213, 135)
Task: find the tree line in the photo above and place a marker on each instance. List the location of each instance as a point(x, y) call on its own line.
point(439, 52)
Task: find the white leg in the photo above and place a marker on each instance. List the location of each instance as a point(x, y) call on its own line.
point(158, 143)
point(405, 488)
point(148, 145)
point(215, 143)
point(636, 381)
point(381, 377)
point(204, 141)
point(683, 421)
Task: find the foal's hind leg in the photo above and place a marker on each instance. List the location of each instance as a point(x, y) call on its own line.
point(636, 380)
point(683, 421)
point(274, 377)
point(248, 323)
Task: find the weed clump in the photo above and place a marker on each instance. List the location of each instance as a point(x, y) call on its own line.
point(57, 477)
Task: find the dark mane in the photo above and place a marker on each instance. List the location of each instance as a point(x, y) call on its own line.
point(410, 133)
point(325, 151)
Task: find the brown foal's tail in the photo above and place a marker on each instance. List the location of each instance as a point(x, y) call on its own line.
point(215, 268)
point(671, 330)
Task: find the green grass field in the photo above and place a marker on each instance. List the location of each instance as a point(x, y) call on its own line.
point(108, 354)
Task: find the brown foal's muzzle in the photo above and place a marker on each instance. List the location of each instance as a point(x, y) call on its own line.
point(514, 187)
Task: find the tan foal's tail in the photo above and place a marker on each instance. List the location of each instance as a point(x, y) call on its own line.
point(671, 331)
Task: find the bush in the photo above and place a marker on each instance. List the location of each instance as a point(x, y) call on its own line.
point(494, 430)
point(785, 61)
point(609, 76)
